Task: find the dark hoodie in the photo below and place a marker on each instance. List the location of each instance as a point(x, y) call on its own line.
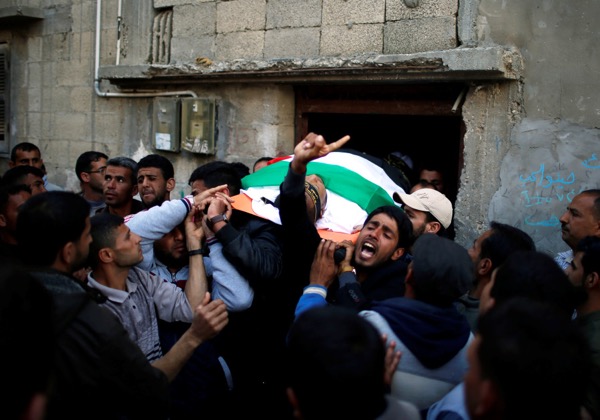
point(433, 334)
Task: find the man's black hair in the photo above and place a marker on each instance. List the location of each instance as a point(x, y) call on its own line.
point(534, 275)
point(103, 227)
point(47, 222)
point(241, 168)
point(261, 159)
point(590, 247)
point(17, 174)
point(217, 173)
point(335, 357)
point(160, 162)
point(533, 354)
point(402, 220)
point(7, 191)
point(25, 147)
point(503, 241)
point(84, 161)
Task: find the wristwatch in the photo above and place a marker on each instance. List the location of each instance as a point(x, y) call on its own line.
point(217, 218)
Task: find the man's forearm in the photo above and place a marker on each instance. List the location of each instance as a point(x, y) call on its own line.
point(172, 362)
point(197, 284)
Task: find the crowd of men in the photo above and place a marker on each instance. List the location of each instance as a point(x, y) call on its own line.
point(120, 301)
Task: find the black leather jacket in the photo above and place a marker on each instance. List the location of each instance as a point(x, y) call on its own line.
point(253, 246)
point(100, 372)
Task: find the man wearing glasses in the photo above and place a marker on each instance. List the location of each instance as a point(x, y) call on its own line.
point(90, 168)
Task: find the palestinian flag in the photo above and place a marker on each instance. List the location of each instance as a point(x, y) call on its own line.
point(356, 185)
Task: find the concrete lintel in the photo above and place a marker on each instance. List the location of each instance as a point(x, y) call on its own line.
point(461, 64)
point(19, 14)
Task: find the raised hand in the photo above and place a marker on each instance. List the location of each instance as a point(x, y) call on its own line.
point(313, 146)
point(209, 318)
point(201, 197)
point(194, 233)
point(324, 269)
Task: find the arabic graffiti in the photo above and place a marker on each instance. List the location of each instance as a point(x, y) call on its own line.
point(551, 222)
point(538, 200)
point(587, 163)
point(546, 181)
point(542, 189)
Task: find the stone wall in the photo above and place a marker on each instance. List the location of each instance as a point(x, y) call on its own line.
point(257, 29)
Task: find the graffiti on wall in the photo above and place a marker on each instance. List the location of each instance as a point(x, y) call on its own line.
point(545, 188)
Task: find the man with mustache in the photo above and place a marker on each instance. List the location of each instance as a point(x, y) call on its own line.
point(90, 168)
point(155, 180)
point(95, 359)
point(139, 298)
point(373, 269)
point(120, 186)
point(581, 219)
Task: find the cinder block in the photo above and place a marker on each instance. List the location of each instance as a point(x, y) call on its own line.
point(419, 35)
point(34, 75)
point(290, 43)
point(58, 19)
point(352, 39)
point(187, 50)
point(193, 20)
point(398, 10)
point(57, 99)
point(22, 3)
point(34, 48)
point(84, 16)
point(80, 98)
point(32, 121)
point(108, 129)
point(73, 73)
point(34, 100)
point(56, 47)
point(158, 4)
point(48, 80)
point(86, 42)
point(241, 15)
point(285, 139)
point(248, 45)
point(108, 49)
point(294, 14)
point(341, 12)
point(55, 151)
point(67, 126)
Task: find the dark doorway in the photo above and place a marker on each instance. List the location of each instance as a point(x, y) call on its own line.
point(423, 122)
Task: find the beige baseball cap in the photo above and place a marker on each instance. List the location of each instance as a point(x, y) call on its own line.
point(429, 200)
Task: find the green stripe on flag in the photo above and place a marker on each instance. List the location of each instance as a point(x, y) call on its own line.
point(338, 179)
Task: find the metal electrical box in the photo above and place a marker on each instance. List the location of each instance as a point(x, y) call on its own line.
point(198, 117)
point(166, 124)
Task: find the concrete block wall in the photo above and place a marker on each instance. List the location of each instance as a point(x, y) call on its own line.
point(257, 29)
point(21, 3)
point(54, 104)
point(55, 107)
